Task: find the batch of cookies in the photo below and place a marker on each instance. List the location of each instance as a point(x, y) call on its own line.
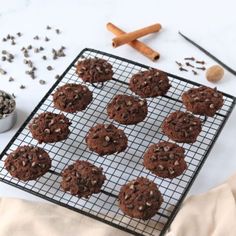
point(139, 198)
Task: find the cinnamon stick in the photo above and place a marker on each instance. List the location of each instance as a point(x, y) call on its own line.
point(136, 44)
point(126, 38)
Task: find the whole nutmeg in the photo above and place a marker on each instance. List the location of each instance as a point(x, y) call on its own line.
point(214, 73)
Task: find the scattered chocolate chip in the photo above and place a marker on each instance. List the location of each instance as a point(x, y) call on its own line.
point(4, 52)
point(44, 57)
point(22, 87)
point(36, 37)
point(4, 58)
point(36, 50)
point(42, 81)
point(3, 72)
point(19, 34)
point(47, 39)
point(48, 27)
point(49, 68)
point(41, 48)
point(58, 31)
point(4, 39)
point(29, 47)
point(10, 79)
point(57, 76)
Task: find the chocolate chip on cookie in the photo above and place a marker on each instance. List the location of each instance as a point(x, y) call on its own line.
point(140, 198)
point(106, 139)
point(127, 110)
point(203, 100)
point(165, 160)
point(49, 127)
point(182, 127)
point(82, 179)
point(149, 83)
point(28, 163)
point(72, 97)
point(94, 70)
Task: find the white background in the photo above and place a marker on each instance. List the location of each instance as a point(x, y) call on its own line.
point(211, 23)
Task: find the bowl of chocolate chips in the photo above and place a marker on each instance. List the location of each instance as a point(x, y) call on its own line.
point(7, 111)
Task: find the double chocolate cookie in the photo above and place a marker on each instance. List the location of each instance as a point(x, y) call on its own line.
point(106, 139)
point(140, 199)
point(182, 127)
point(94, 70)
point(203, 100)
point(165, 160)
point(28, 163)
point(82, 179)
point(49, 127)
point(149, 83)
point(72, 97)
point(127, 110)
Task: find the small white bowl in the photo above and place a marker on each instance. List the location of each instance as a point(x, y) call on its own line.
point(9, 120)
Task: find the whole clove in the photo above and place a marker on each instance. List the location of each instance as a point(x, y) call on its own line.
point(189, 58)
point(188, 64)
point(201, 68)
point(183, 69)
point(201, 62)
point(194, 72)
point(178, 63)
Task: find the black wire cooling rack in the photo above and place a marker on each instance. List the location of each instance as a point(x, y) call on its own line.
point(124, 166)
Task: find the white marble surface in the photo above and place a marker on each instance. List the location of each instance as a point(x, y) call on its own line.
point(211, 23)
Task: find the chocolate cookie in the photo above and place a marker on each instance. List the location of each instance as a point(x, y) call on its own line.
point(140, 199)
point(182, 127)
point(127, 110)
point(82, 179)
point(165, 160)
point(94, 70)
point(106, 139)
point(149, 83)
point(49, 127)
point(28, 163)
point(72, 97)
point(203, 100)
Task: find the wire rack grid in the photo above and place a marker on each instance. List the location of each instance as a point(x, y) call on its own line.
point(124, 166)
